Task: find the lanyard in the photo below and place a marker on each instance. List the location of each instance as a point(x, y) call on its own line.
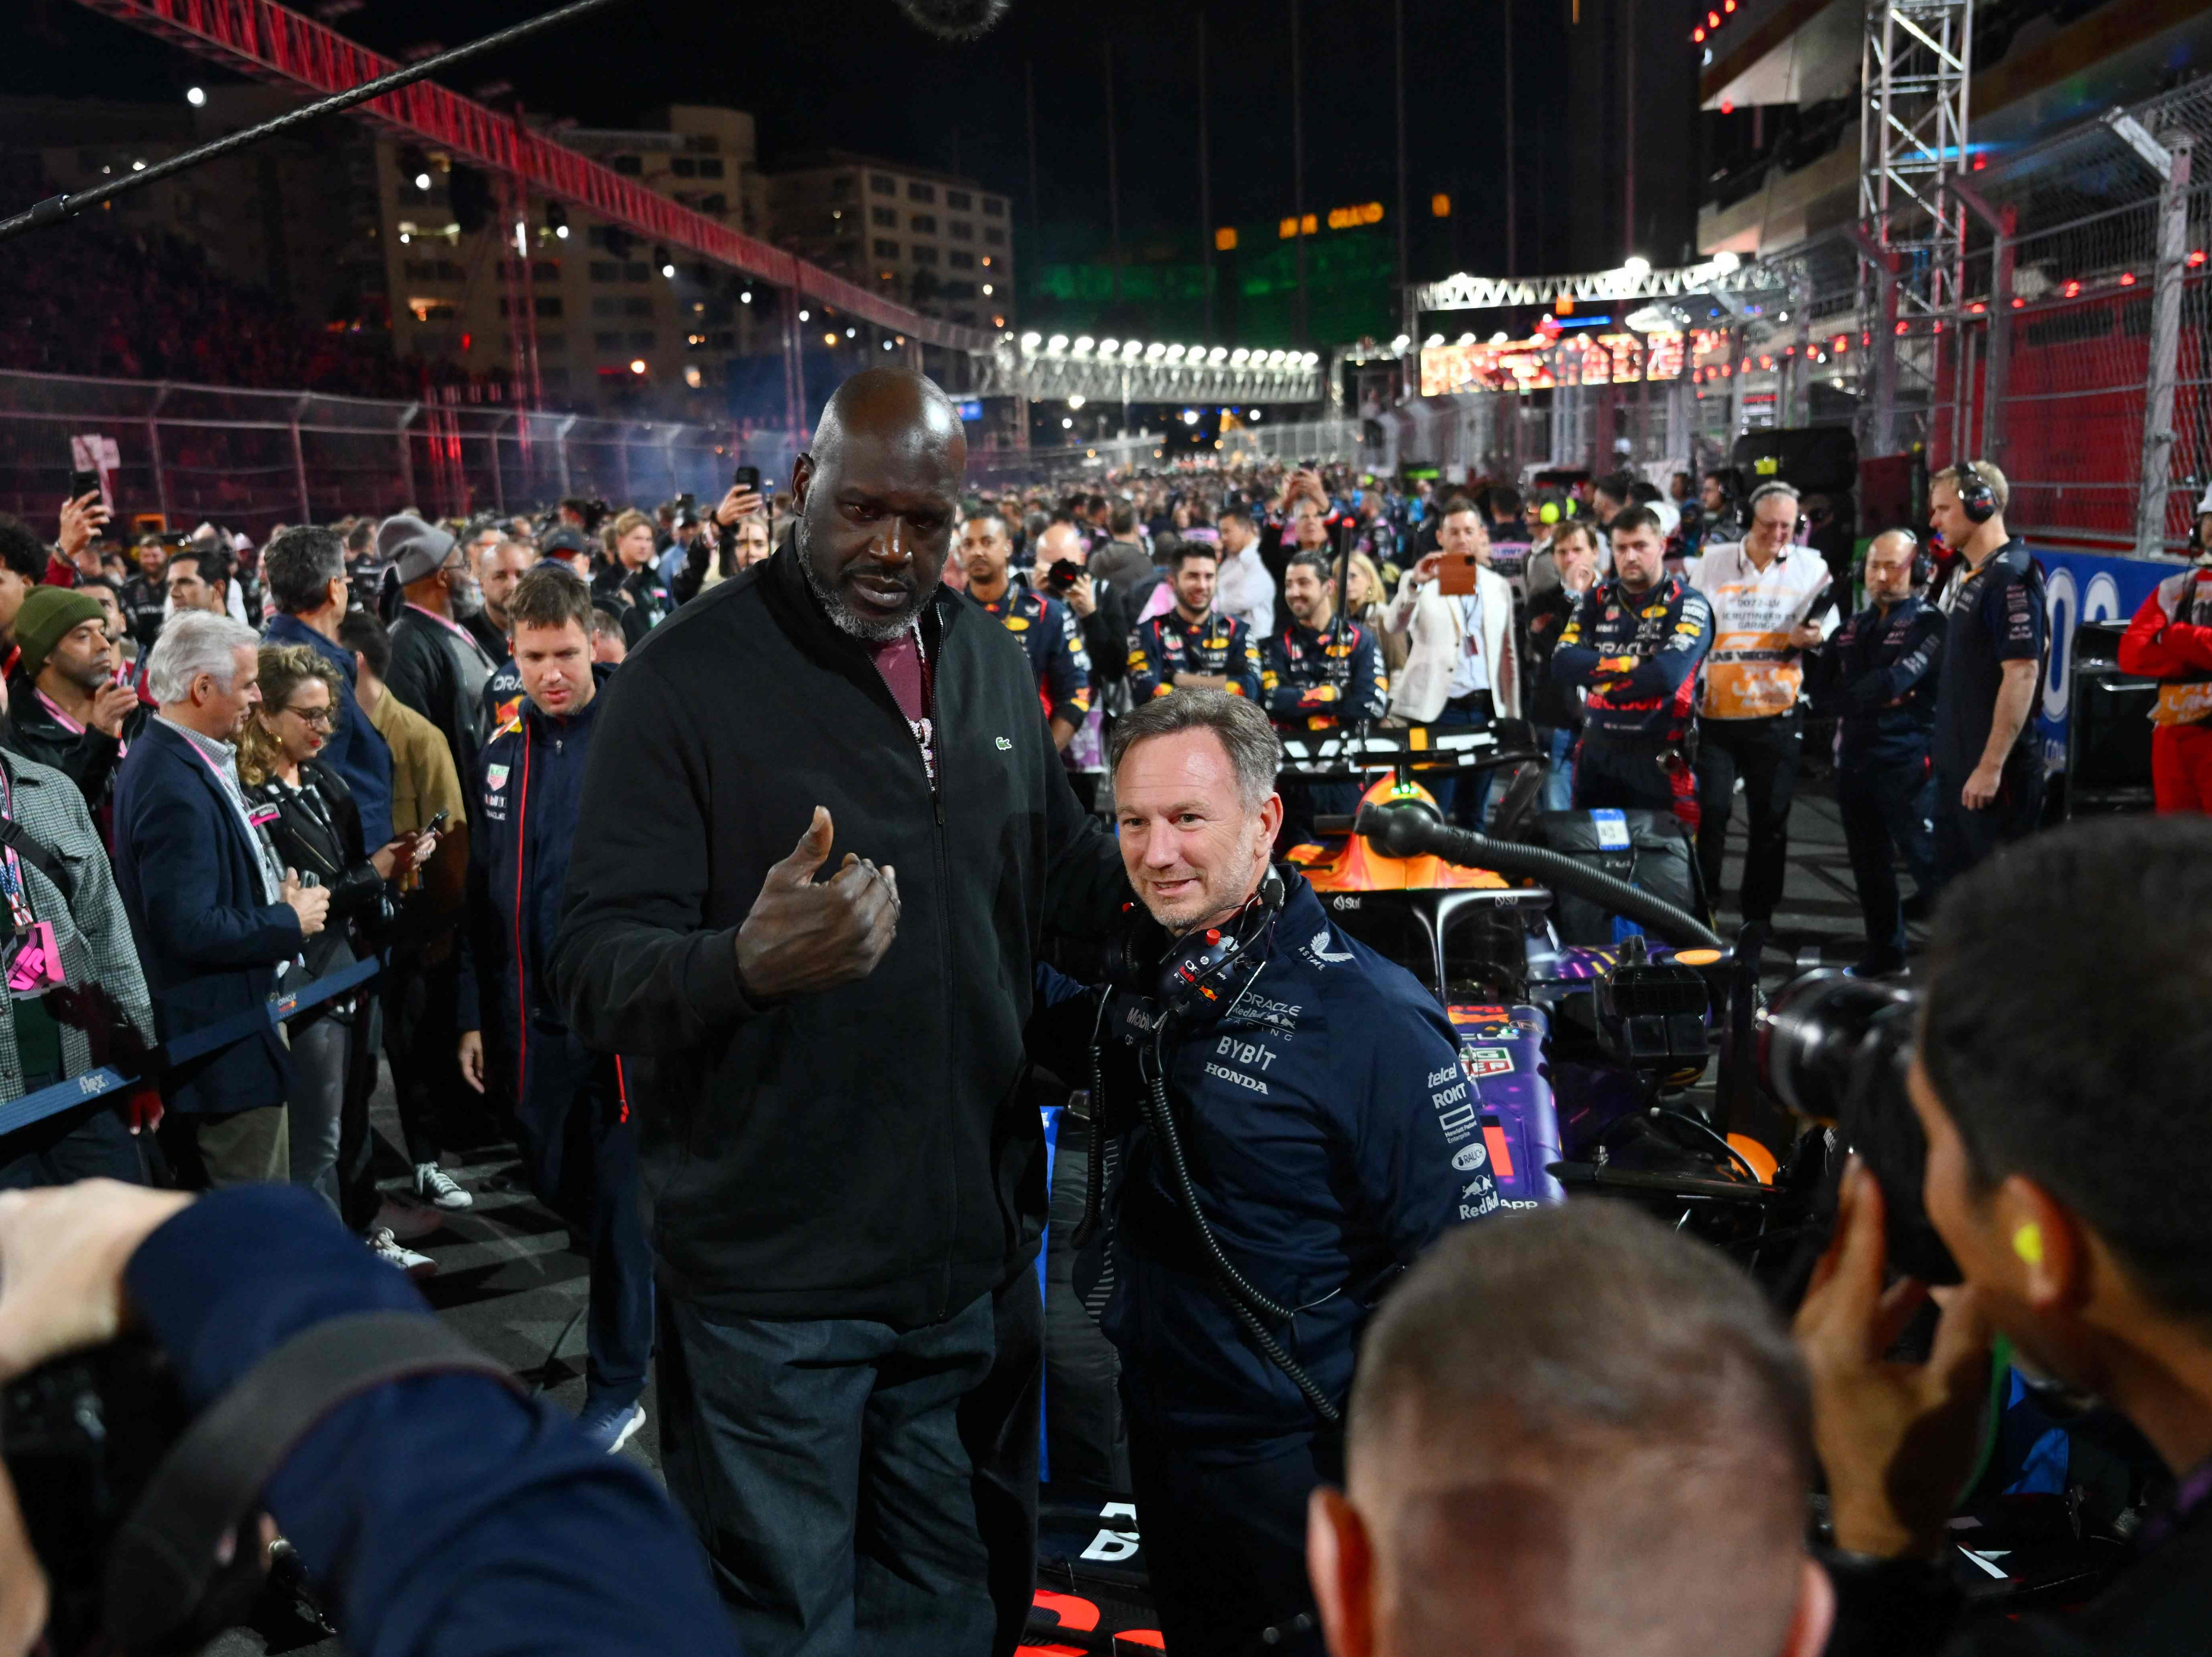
point(254, 832)
point(72, 725)
point(454, 627)
point(11, 867)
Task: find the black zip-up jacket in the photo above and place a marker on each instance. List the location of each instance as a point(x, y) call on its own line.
point(867, 1151)
point(1877, 674)
point(439, 672)
point(88, 757)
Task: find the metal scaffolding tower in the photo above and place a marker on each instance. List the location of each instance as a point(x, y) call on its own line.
point(1915, 65)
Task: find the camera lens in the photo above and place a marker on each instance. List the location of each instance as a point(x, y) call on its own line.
point(1810, 1036)
point(1835, 1049)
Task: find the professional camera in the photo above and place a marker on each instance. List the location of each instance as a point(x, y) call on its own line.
point(1835, 1050)
point(82, 1437)
point(1059, 576)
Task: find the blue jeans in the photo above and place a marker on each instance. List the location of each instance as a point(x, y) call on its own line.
point(1462, 797)
point(1559, 778)
point(860, 1488)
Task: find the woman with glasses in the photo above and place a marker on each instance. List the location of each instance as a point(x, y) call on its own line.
point(316, 830)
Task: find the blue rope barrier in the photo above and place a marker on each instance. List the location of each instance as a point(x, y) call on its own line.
point(197, 1044)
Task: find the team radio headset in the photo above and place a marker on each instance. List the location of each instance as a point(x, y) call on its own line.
point(1976, 498)
point(1189, 982)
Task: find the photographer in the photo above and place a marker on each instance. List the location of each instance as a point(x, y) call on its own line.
point(65, 709)
point(1063, 571)
point(443, 1512)
point(2063, 1106)
point(1051, 642)
point(1460, 669)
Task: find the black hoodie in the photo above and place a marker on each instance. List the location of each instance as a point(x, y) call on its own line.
point(864, 1152)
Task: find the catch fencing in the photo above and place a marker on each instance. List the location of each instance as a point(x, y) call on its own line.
point(2078, 357)
point(251, 459)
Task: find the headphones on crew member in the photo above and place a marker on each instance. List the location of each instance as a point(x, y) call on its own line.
point(1923, 563)
point(1195, 979)
point(1976, 498)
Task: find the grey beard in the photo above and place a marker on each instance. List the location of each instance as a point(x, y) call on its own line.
point(467, 601)
point(870, 630)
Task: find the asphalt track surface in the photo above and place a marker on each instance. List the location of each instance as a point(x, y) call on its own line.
point(510, 1280)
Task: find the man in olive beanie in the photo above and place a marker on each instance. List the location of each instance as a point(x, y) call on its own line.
point(67, 709)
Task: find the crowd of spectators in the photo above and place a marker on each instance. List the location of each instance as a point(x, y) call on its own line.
point(146, 305)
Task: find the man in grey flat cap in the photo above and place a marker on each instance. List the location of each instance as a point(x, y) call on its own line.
point(439, 671)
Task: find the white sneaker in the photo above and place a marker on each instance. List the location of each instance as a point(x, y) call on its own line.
point(390, 1249)
point(439, 1189)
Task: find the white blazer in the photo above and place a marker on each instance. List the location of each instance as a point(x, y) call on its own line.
point(1422, 685)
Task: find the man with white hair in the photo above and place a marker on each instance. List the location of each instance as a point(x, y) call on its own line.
point(218, 916)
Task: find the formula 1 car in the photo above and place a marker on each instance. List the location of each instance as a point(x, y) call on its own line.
point(1576, 1055)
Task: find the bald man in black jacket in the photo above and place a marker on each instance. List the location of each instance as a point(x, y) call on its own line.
point(844, 1183)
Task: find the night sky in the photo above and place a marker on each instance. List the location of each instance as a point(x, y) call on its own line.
point(858, 75)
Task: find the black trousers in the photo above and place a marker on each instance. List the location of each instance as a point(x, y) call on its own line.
point(1888, 803)
point(1086, 1446)
point(859, 1489)
point(1623, 773)
point(87, 1143)
point(421, 1038)
point(1965, 837)
point(579, 1148)
point(358, 1198)
point(1764, 753)
point(1224, 1529)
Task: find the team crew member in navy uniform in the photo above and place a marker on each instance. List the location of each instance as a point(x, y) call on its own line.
point(1319, 673)
point(1192, 646)
point(1048, 633)
point(1634, 643)
point(1988, 770)
point(572, 1098)
point(2170, 640)
point(1877, 673)
point(1328, 1129)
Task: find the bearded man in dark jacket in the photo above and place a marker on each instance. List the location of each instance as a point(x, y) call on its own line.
point(844, 1179)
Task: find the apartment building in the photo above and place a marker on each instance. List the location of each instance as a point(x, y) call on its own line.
point(619, 324)
point(942, 244)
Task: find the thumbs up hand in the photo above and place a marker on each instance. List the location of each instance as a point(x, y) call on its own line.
point(803, 934)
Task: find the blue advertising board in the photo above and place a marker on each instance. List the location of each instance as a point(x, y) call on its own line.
point(2082, 587)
